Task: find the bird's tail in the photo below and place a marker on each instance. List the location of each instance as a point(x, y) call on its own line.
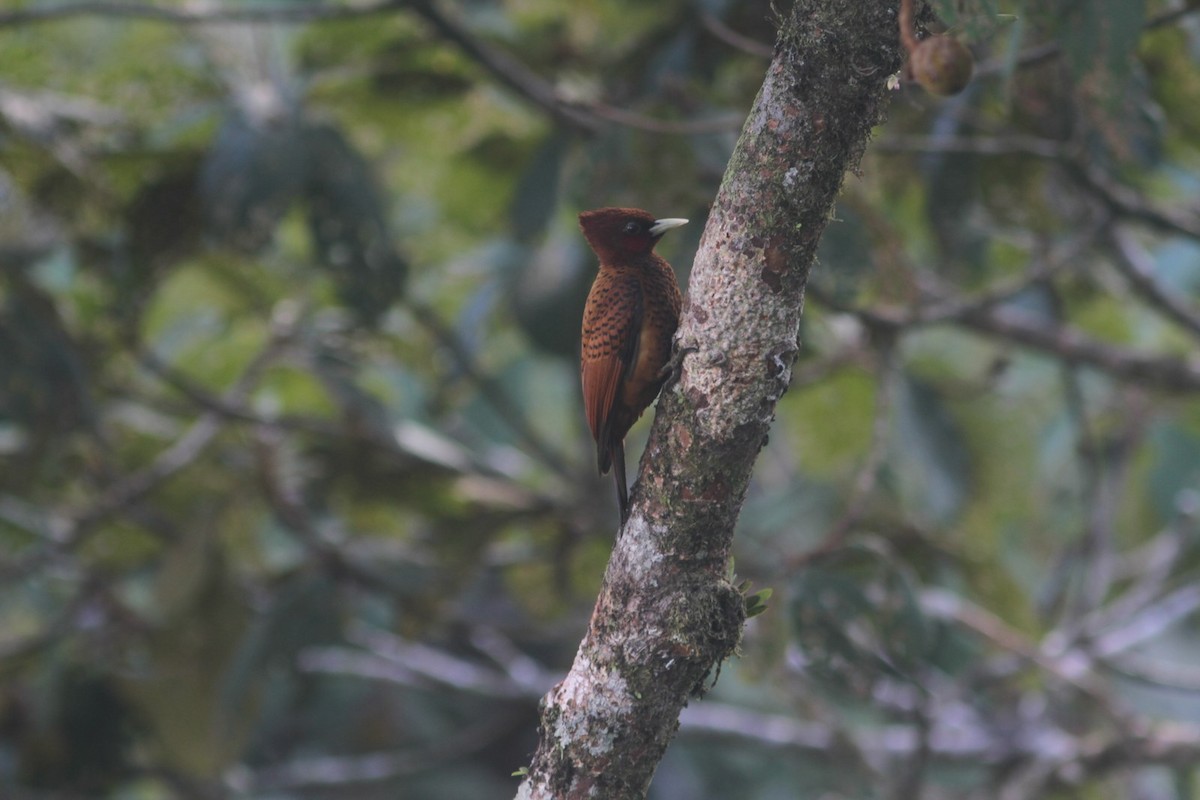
point(618, 460)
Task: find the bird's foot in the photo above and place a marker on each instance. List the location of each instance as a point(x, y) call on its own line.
point(673, 369)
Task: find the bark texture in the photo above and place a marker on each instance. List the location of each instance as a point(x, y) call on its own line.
point(666, 615)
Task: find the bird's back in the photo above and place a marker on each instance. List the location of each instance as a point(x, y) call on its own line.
point(631, 314)
point(661, 303)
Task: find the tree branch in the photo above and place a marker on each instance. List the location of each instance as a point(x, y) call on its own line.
point(666, 616)
point(1138, 268)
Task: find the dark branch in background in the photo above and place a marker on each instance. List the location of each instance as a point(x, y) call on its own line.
point(1126, 202)
point(324, 541)
point(957, 733)
point(1122, 201)
point(64, 532)
point(1012, 144)
point(1090, 558)
point(1172, 374)
point(442, 452)
point(583, 117)
point(507, 70)
point(1135, 264)
point(886, 375)
point(1039, 54)
point(508, 411)
point(587, 117)
point(713, 24)
point(985, 315)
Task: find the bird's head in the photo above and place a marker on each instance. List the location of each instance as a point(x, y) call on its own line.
point(616, 233)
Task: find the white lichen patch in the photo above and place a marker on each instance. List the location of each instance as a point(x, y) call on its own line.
point(637, 553)
point(589, 695)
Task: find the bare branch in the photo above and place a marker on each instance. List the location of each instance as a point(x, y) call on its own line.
point(584, 117)
point(1047, 51)
point(868, 472)
point(1135, 264)
point(1126, 202)
point(714, 25)
point(492, 392)
point(1168, 373)
point(1147, 624)
point(1173, 374)
point(1012, 145)
point(314, 772)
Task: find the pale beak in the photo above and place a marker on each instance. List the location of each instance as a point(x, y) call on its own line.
point(661, 226)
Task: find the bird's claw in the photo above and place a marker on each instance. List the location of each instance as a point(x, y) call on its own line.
point(673, 369)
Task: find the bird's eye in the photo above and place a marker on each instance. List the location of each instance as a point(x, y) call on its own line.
point(633, 228)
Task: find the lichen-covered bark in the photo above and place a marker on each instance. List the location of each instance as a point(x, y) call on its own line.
point(666, 615)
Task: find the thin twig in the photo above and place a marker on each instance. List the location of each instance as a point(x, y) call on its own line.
point(504, 68)
point(1042, 53)
point(1148, 623)
point(868, 472)
point(717, 27)
point(1156, 673)
point(1013, 326)
point(315, 772)
point(1127, 202)
point(490, 389)
point(1071, 668)
point(1168, 373)
point(1091, 555)
point(582, 117)
point(1136, 265)
point(1148, 575)
point(135, 486)
point(1011, 145)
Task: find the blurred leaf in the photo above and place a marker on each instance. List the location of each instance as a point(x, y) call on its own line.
point(348, 223)
point(536, 197)
point(1101, 35)
point(845, 402)
point(929, 460)
point(951, 198)
point(303, 613)
point(857, 617)
point(1174, 468)
point(165, 218)
point(1177, 264)
point(548, 287)
point(200, 324)
point(250, 176)
point(977, 18)
point(43, 376)
point(73, 736)
point(844, 256)
point(177, 689)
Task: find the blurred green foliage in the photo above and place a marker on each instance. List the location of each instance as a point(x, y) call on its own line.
point(296, 499)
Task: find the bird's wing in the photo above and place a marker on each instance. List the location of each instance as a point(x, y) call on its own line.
point(608, 352)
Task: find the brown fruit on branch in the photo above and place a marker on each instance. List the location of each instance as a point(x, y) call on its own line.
point(942, 65)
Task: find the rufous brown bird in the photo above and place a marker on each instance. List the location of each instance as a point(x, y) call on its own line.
point(631, 314)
